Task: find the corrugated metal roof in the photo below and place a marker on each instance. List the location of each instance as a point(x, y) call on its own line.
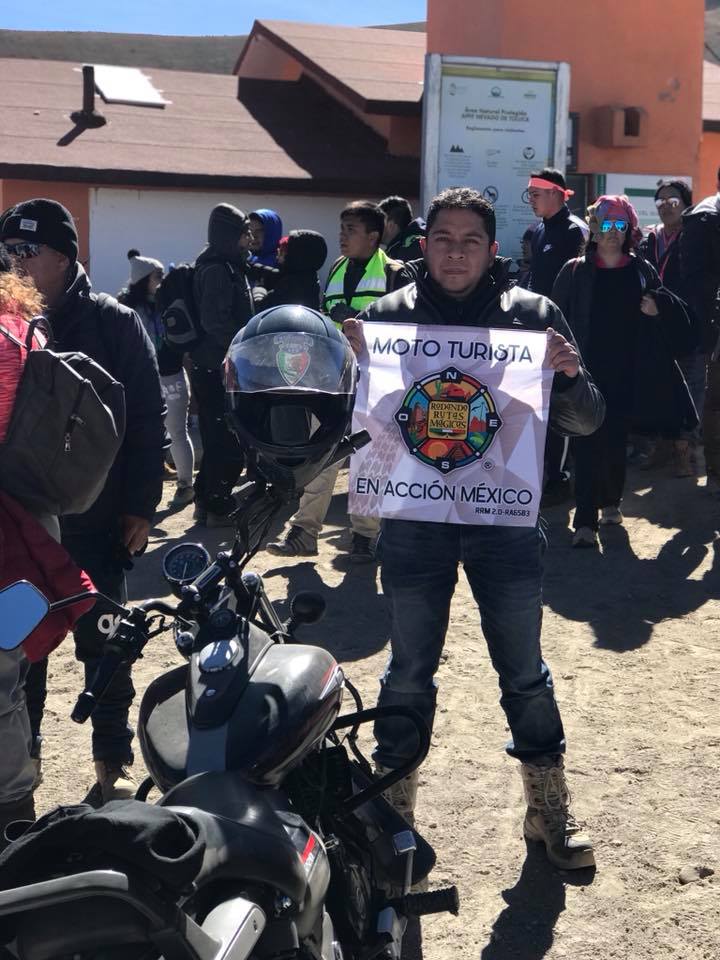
point(275, 133)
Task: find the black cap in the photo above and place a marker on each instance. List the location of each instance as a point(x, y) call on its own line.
point(42, 221)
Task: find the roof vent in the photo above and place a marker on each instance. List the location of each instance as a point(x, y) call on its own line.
point(88, 116)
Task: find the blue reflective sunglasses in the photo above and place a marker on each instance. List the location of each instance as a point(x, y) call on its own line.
point(620, 225)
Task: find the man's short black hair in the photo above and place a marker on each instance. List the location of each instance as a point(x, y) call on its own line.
point(551, 174)
point(398, 210)
point(369, 214)
point(463, 198)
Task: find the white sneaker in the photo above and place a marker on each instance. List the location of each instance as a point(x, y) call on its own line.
point(585, 537)
point(611, 516)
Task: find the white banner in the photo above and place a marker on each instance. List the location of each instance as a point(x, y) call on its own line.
point(458, 417)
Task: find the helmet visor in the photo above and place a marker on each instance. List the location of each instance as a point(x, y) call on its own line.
point(290, 362)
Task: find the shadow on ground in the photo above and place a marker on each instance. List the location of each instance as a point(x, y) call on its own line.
point(621, 595)
point(525, 928)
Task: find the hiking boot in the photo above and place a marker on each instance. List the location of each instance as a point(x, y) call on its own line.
point(585, 537)
point(362, 549)
point(611, 516)
point(683, 465)
point(20, 812)
point(402, 795)
point(114, 780)
point(296, 543)
point(184, 494)
point(548, 819)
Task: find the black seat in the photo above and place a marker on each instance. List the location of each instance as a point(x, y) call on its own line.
point(243, 830)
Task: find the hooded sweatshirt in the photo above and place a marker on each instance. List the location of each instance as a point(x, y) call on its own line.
point(273, 231)
point(220, 286)
point(297, 278)
point(700, 264)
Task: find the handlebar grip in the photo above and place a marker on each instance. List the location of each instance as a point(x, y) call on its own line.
point(445, 900)
point(90, 697)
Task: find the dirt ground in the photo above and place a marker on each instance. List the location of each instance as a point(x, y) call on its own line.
point(631, 634)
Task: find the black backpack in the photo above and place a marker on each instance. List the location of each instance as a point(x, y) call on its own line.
point(179, 314)
point(66, 428)
point(179, 318)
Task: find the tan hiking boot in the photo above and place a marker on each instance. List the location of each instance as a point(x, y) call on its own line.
point(548, 819)
point(402, 795)
point(115, 781)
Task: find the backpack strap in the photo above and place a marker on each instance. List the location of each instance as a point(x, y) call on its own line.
point(43, 324)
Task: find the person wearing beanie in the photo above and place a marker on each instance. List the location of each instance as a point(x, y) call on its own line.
point(224, 305)
point(42, 240)
point(146, 275)
point(661, 248)
point(630, 330)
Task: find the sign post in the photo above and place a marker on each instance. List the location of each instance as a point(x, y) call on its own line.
point(487, 124)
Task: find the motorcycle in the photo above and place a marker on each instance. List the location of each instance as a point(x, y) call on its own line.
point(302, 856)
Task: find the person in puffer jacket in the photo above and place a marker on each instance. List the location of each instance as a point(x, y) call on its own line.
point(28, 550)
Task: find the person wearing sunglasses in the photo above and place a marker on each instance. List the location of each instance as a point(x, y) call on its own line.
point(42, 241)
point(661, 247)
point(629, 329)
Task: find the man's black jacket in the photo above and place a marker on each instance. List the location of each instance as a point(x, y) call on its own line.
point(554, 242)
point(114, 337)
point(576, 405)
point(700, 265)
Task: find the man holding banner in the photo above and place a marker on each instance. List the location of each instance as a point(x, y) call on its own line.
point(462, 373)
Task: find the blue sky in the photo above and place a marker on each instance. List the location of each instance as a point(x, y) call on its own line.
point(193, 17)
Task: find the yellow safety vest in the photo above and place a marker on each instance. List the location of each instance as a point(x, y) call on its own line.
point(373, 284)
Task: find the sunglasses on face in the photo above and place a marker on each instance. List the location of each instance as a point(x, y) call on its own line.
point(23, 251)
point(607, 225)
point(668, 202)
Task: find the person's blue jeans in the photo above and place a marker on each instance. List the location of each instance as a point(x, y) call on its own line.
point(419, 563)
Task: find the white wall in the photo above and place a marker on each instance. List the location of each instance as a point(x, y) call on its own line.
point(171, 225)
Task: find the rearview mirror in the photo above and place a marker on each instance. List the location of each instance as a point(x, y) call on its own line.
point(22, 608)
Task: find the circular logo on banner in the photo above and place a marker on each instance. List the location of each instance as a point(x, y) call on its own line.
point(495, 91)
point(529, 153)
point(448, 420)
point(491, 194)
point(525, 196)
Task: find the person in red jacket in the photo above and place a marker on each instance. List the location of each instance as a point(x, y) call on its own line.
point(28, 551)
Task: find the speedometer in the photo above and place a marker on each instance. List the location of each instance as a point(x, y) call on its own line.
point(184, 563)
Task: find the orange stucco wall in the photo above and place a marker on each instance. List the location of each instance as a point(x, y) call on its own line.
point(709, 163)
point(74, 196)
point(640, 53)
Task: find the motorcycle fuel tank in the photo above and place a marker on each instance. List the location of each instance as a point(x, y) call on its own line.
point(243, 703)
